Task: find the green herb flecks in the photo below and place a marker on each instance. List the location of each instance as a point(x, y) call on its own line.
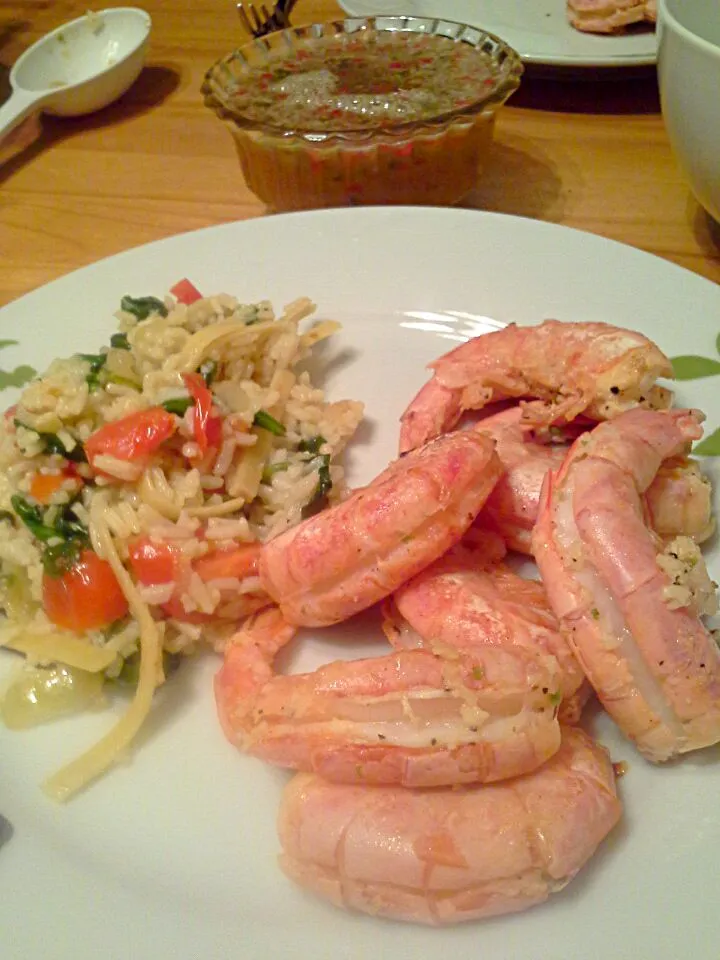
point(178, 405)
point(143, 307)
point(324, 485)
point(270, 469)
point(317, 501)
point(96, 361)
point(311, 445)
point(267, 422)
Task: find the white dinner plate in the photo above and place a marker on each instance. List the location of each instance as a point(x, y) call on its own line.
point(172, 856)
point(537, 29)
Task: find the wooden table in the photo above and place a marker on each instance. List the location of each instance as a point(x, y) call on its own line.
point(592, 155)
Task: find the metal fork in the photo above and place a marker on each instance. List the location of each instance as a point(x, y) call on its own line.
point(264, 21)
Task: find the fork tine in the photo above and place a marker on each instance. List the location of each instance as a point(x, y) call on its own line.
point(250, 19)
point(265, 21)
point(272, 19)
point(244, 17)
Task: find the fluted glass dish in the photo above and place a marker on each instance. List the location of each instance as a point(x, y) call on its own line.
point(370, 110)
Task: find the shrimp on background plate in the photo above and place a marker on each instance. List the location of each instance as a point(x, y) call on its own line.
point(447, 855)
point(630, 605)
point(422, 717)
point(348, 557)
point(609, 16)
point(564, 369)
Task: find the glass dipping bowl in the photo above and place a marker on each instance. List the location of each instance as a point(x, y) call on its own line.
point(368, 110)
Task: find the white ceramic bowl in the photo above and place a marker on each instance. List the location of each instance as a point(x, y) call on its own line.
point(689, 78)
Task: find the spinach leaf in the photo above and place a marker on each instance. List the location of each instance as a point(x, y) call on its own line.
point(60, 558)
point(33, 518)
point(119, 341)
point(53, 444)
point(70, 537)
point(142, 307)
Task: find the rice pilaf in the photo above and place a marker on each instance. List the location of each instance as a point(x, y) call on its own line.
point(136, 487)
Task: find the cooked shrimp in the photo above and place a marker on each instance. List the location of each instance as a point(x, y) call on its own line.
point(413, 717)
point(512, 507)
point(679, 500)
point(448, 855)
point(466, 604)
point(354, 554)
point(630, 605)
point(567, 369)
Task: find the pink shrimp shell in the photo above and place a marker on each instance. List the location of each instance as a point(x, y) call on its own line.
point(656, 669)
point(450, 855)
point(354, 554)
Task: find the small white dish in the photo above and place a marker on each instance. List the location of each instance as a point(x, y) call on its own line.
point(537, 29)
point(79, 67)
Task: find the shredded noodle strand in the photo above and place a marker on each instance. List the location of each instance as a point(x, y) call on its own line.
point(101, 756)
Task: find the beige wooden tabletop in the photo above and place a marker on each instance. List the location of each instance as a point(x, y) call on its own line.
point(590, 154)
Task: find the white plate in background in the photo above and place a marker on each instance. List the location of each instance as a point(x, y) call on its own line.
point(538, 29)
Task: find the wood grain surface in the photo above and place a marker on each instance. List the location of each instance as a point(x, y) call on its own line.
point(592, 154)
